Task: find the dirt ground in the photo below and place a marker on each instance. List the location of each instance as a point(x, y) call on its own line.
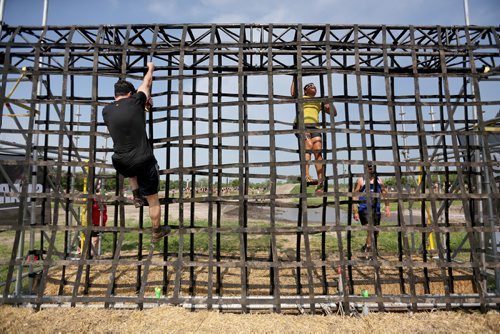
point(169, 319)
point(172, 319)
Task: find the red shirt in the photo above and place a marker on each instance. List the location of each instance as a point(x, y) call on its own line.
point(96, 213)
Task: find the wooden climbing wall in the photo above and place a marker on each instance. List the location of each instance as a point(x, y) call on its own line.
point(421, 103)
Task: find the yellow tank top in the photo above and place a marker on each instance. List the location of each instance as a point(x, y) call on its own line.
point(311, 111)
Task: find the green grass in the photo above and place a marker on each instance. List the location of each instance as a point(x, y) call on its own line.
point(5, 253)
point(230, 242)
point(387, 242)
point(414, 205)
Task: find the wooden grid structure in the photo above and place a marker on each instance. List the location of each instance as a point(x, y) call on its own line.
point(416, 101)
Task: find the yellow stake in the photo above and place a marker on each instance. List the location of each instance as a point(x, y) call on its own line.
point(432, 242)
point(17, 83)
point(17, 103)
point(84, 207)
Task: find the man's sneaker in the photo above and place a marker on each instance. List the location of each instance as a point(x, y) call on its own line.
point(160, 233)
point(140, 201)
point(319, 188)
point(311, 181)
point(367, 250)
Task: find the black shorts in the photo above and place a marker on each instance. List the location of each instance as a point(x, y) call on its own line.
point(148, 180)
point(311, 129)
point(363, 217)
point(146, 173)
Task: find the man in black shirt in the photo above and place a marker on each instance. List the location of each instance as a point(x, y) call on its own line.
point(133, 156)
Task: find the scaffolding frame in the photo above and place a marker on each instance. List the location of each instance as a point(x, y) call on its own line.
point(222, 110)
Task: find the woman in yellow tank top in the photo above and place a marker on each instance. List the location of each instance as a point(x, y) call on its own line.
point(313, 140)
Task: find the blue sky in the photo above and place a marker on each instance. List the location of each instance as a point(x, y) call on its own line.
point(391, 12)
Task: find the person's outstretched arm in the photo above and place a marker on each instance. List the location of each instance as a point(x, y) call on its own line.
point(327, 109)
point(293, 91)
point(332, 111)
point(145, 86)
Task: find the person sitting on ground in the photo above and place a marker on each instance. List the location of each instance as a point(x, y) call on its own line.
point(360, 211)
point(313, 138)
point(133, 155)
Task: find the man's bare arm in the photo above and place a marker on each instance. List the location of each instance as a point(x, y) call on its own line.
point(332, 112)
point(145, 86)
point(293, 91)
point(383, 194)
point(357, 188)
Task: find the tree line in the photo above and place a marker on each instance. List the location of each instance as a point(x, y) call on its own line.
point(108, 181)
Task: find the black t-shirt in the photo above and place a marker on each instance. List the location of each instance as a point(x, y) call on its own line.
point(126, 121)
